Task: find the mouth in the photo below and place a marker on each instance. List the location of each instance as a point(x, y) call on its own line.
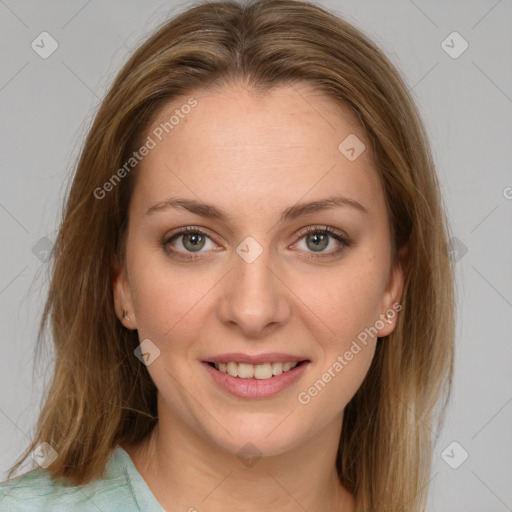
point(264, 371)
point(258, 381)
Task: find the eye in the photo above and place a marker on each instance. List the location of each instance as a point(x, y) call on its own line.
point(318, 238)
point(190, 239)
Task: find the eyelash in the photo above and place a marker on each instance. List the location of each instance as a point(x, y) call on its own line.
point(343, 240)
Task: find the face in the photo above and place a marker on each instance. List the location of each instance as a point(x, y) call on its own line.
point(258, 276)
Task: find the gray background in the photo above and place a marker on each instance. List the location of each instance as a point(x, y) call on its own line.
point(46, 106)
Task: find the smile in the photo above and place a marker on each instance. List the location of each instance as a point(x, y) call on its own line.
point(263, 380)
point(257, 371)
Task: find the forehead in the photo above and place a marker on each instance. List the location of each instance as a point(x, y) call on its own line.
point(274, 146)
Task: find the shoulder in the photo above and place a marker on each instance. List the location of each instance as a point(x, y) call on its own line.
point(37, 491)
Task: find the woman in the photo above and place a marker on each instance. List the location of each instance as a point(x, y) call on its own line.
point(252, 297)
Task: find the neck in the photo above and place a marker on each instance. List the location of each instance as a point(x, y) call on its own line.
point(185, 471)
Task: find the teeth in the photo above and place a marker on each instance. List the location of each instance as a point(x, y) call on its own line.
point(277, 368)
point(245, 371)
point(258, 371)
point(232, 369)
point(263, 371)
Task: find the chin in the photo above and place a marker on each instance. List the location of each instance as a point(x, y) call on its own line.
point(265, 439)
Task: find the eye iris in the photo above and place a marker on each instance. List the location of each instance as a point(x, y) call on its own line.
point(320, 241)
point(196, 239)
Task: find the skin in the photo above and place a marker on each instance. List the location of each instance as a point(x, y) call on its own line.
point(253, 156)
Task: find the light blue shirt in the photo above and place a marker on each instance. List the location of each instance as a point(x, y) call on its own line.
point(122, 489)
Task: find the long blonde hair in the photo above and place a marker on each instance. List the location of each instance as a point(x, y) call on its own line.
point(100, 394)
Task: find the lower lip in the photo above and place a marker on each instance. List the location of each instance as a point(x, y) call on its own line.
point(256, 388)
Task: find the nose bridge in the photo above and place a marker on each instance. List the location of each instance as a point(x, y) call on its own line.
point(253, 297)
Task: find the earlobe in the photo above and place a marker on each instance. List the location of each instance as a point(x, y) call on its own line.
point(122, 295)
point(393, 294)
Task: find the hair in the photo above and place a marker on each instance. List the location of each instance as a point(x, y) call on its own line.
point(100, 395)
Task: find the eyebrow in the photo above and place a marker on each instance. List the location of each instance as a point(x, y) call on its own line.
point(293, 212)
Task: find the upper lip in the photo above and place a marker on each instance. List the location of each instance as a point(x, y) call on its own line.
point(271, 357)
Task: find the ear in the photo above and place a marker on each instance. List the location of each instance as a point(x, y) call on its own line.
point(390, 305)
point(122, 295)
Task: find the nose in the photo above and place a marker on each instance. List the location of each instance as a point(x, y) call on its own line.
point(254, 298)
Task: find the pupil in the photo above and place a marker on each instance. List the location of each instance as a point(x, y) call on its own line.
point(319, 240)
point(195, 240)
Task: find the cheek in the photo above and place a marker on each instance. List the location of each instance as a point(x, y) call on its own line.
point(344, 301)
point(346, 376)
point(334, 383)
point(344, 363)
point(167, 301)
